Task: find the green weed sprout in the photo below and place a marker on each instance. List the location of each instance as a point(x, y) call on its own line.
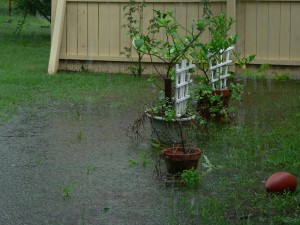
point(190, 177)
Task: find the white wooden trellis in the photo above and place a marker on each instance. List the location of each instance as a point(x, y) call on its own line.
point(218, 67)
point(183, 79)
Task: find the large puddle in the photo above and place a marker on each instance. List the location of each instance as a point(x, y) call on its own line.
point(268, 102)
point(76, 165)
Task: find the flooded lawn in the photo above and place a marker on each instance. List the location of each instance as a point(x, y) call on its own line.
point(67, 164)
point(269, 102)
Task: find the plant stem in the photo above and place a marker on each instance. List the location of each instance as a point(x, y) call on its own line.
point(182, 137)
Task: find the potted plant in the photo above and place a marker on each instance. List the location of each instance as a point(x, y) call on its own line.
point(165, 126)
point(169, 120)
point(169, 50)
point(213, 59)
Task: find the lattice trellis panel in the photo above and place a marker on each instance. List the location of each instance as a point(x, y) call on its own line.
point(218, 67)
point(183, 79)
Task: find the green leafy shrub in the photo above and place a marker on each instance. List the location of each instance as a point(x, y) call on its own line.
point(33, 7)
point(190, 177)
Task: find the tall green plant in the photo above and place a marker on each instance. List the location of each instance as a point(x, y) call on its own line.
point(170, 49)
point(134, 17)
point(220, 40)
point(212, 105)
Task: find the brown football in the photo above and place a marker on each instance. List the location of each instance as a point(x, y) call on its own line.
point(281, 182)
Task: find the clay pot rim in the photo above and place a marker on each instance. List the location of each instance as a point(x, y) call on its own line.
point(163, 118)
point(195, 151)
point(223, 92)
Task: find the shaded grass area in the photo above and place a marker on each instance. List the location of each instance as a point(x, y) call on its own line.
point(247, 152)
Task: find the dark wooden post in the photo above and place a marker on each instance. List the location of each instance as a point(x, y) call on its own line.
point(168, 89)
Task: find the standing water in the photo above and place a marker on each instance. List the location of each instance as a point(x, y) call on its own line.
point(76, 165)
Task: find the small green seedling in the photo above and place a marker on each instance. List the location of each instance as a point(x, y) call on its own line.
point(82, 215)
point(105, 209)
point(80, 135)
point(78, 115)
point(67, 190)
point(90, 169)
point(133, 162)
point(190, 177)
point(37, 162)
point(144, 159)
point(156, 144)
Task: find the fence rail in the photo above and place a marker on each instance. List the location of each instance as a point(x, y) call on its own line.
point(89, 31)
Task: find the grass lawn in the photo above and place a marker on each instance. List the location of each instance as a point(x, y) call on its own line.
point(23, 71)
point(245, 154)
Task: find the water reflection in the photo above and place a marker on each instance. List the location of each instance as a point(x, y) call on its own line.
point(267, 102)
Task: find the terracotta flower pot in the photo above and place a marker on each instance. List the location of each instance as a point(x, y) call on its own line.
point(204, 105)
point(177, 161)
point(225, 96)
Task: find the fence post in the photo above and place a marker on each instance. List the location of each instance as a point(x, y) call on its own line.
point(231, 12)
point(53, 12)
point(56, 36)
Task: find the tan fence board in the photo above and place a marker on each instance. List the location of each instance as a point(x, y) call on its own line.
point(114, 31)
point(104, 24)
point(63, 46)
point(223, 7)
point(216, 9)
point(274, 31)
point(82, 29)
point(167, 6)
point(124, 36)
point(160, 6)
point(93, 30)
point(285, 30)
point(180, 15)
point(72, 32)
point(192, 14)
point(148, 14)
point(262, 30)
point(240, 26)
point(250, 28)
point(205, 35)
point(295, 31)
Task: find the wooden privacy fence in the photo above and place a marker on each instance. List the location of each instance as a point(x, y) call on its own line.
point(88, 32)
